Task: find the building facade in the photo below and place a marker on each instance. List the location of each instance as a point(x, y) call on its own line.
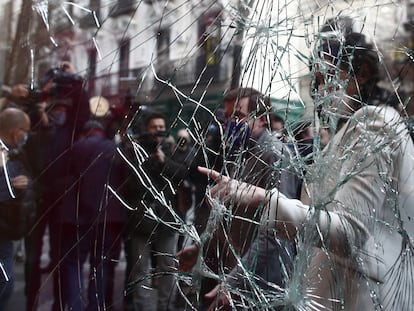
point(175, 53)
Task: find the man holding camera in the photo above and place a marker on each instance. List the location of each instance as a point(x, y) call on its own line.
point(153, 222)
point(58, 110)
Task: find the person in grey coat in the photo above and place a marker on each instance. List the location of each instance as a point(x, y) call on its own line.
point(255, 156)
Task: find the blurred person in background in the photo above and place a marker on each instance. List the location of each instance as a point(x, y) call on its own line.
point(277, 125)
point(17, 201)
point(92, 221)
point(153, 220)
point(302, 147)
point(58, 109)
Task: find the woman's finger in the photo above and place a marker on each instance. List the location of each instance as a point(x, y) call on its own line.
point(216, 176)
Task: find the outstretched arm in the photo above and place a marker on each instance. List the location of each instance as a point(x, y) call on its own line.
point(282, 214)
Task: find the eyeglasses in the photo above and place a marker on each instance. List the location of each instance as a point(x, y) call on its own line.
point(239, 116)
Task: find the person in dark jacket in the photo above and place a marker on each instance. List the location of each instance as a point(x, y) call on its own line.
point(92, 221)
point(57, 121)
point(14, 189)
point(154, 220)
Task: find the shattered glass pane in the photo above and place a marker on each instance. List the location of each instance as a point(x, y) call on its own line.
point(300, 110)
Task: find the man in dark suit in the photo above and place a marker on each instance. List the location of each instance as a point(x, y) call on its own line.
point(14, 193)
point(92, 220)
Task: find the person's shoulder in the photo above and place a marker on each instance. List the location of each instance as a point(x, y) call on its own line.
point(380, 117)
point(269, 138)
point(385, 112)
point(100, 142)
point(269, 146)
point(383, 123)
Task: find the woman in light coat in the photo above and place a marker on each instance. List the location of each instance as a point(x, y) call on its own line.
point(355, 237)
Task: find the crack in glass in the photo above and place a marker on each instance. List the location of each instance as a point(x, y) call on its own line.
point(312, 216)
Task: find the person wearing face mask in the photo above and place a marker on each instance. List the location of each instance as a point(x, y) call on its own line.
point(251, 149)
point(252, 154)
point(356, 228)
point(17, 204)
point(57, 121)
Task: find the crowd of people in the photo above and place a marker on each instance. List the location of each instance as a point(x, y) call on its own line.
point(95, 197)
point(331, 226)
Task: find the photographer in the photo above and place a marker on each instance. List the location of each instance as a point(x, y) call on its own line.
point(153, 222)
point(58, 109)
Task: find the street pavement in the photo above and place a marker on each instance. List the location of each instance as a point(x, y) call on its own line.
point(18, 299)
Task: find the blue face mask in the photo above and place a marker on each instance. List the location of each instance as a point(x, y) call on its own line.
point(238, 134)
point(58, 119)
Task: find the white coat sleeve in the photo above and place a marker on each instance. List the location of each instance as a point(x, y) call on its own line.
point(287, 215)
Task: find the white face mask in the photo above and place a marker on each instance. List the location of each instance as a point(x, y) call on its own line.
point(21, 144)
